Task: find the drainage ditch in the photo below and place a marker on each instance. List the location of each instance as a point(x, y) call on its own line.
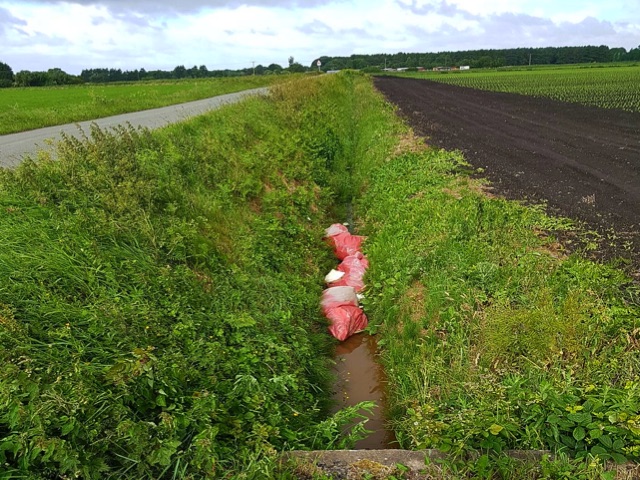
point(360, 377)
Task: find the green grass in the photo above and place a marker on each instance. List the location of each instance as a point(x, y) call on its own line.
point(159, 309)
point(159, 305)
point(613, 87)
point(492, 339)
point(29, 108)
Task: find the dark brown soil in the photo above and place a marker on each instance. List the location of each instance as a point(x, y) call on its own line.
point(583, 162)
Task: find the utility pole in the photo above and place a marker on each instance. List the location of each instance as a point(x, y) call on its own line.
point(529, 59)
point(254, 67)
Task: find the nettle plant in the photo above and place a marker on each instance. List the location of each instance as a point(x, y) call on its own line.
point(583, 421)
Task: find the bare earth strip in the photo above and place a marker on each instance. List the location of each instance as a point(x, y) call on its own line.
point(583, 161)
point(14, 147)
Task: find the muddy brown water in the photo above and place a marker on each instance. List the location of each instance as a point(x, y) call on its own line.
point(359, 378)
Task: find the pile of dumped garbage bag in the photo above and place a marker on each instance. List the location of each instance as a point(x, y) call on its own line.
point(340, 301)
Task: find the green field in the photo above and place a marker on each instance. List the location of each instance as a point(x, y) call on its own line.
point(604, 86)
point(36, 107)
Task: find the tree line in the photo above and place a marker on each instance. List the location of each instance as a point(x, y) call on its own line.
point(56, 76)
point(375, 62)
point(483, 58)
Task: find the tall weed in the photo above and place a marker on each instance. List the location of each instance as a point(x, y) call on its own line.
point(492, 339)
point(158, 313)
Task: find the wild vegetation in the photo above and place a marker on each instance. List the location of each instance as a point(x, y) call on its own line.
point(614, 87)
point(159, 306)
point(29, 108)
point(492, 338)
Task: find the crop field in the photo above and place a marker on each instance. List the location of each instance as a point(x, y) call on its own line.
point(605, 87)
point(36, 107)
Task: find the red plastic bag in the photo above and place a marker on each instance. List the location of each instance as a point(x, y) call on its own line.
point(353, 267)
point(338, 297)
point(335, 229)
point(340, 302)
point(343, 243)
point(345, 321)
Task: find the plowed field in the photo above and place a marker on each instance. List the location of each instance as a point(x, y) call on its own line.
point(583, 161)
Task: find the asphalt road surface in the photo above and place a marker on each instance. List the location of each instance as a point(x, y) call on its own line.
point(14, 147)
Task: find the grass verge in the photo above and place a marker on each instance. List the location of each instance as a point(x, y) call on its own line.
point(24, 109)
point(491, 337)
point(159, 306)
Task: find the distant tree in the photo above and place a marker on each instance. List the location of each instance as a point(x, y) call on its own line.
point(6, 75)
point(275, 68)
point(25, 78)
point(633, 54)
point(358, 63)
point(291, 61)
point(193, 72)
point(179, 72)
point(55, 76)
point(295, 67)
point(52, 77)
point(483, 58)
point(338, 63)
point(483, 62)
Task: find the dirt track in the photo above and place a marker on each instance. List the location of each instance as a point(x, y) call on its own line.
point(583, 161)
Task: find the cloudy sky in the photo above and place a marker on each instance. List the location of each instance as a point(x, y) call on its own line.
point(160, 34)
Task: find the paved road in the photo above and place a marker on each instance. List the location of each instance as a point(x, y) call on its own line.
point(14, 147)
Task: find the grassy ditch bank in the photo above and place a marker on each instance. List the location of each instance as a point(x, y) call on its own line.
point(159, 304)
point(492, 338)
point(28, 108)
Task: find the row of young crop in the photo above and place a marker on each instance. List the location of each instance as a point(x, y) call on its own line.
point(607, 87)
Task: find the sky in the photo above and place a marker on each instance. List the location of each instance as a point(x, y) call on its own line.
point(161, 34)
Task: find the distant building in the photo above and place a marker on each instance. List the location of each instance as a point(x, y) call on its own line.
point(449, 69)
